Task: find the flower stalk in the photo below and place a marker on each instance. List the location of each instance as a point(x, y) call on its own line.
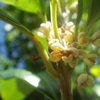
point(53, 9)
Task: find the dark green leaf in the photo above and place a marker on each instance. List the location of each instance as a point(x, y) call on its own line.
point(32, 6)
point(93, 14)
point(79, 15)
point(79, 12)
point(7, 18)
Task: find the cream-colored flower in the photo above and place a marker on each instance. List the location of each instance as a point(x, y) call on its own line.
point(68, 36)
point(53, 41)
point(59, 52)
point(82, 40)
point(44, 29)
point(82, 54)
point(73, 63)
point(68, 32)
point(55, 56)
point(96, 39)
point(89, 60)
point(84, 80)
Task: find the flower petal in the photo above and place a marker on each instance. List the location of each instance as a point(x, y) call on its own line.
point(90, 59)
point(73, 63)
point(57, 46)
point(81, 79)
point(90, 81)
point(67, 59)
point(82, 54)
point(55, 56)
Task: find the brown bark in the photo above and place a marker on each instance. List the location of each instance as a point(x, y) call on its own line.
point(64, 81)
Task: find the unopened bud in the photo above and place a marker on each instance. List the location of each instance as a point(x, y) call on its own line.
point(84, 80)
point(96, 39)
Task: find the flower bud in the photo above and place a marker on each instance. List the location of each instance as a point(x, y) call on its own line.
point(96, 38)
point(90, 59)
point(84, 80)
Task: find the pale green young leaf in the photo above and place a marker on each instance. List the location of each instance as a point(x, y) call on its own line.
point(43, 41)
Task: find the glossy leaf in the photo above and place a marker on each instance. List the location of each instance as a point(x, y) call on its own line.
point(32, 6)
point(22, 81)
point(93, 14)
point(11, 90)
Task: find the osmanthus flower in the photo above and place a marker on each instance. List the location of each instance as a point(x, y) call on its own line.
point(84, 80)
point(68, 32)
point(82, 40)
point(45, 30)
point(90, 59)
point(96, 38)
point(68, 55)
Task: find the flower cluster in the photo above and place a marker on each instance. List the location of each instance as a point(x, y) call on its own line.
point(68, 50)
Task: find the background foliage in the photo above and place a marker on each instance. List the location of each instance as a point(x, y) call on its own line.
point(18, 73)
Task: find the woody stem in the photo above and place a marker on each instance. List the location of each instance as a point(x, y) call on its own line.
point(64, 81)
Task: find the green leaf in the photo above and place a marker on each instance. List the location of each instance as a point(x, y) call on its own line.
point(32, 6)
point(79, 12)
point(79, 15)
point(7, 18)
point(43, 41)
point(25, 82)
point(15, 89)
point(93, 14)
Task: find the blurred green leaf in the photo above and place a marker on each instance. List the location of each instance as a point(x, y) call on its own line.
point(43, 41)
point(32, 6)
point(25, 82)
point(93, 14)
point(52, 82)
point(7, 18)
point(95, 70)
point(79, 12)
point(11, 90)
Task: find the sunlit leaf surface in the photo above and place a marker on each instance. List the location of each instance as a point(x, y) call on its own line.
point(32, 6)
point(22, 83)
